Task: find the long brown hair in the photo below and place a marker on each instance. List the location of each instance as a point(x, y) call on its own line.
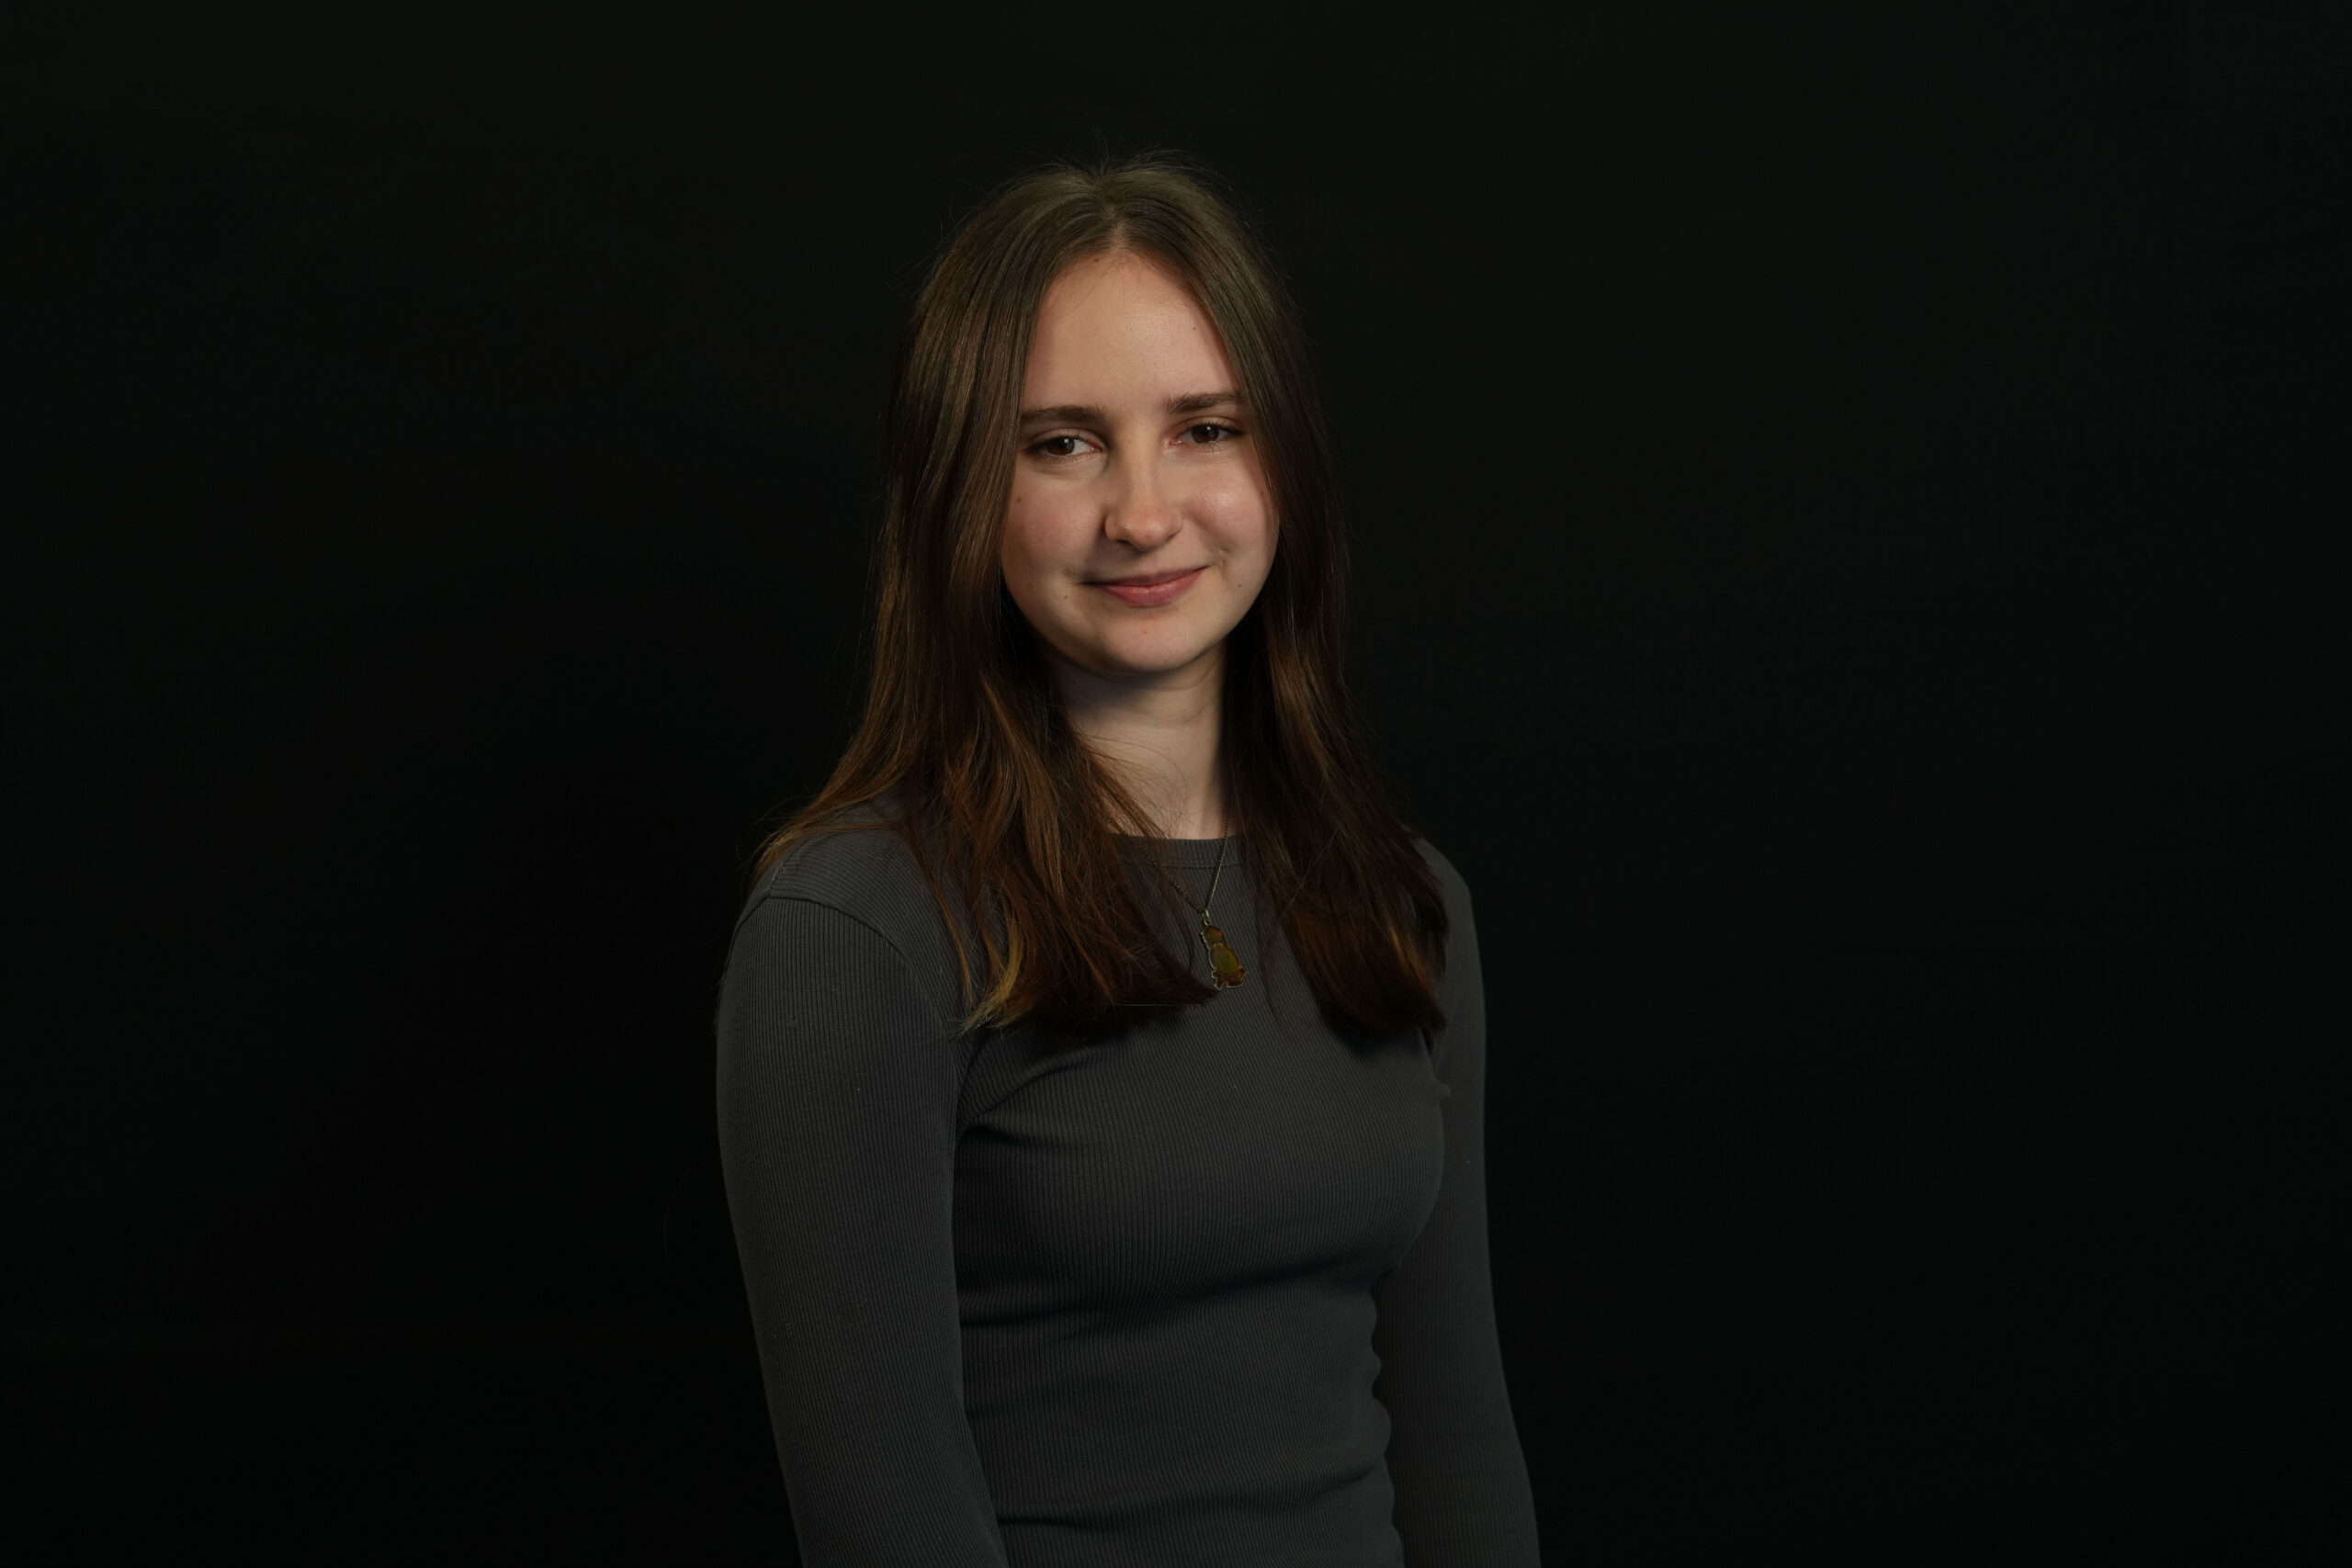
point(964, 733)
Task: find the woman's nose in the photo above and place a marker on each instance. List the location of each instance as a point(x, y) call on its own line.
point(1143, 514)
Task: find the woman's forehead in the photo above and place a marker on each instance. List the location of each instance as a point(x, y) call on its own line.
point(1121, 328)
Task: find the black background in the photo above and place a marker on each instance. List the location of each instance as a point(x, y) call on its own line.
point(1848, 504)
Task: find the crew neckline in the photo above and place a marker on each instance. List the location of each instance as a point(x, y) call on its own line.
point(1191, 853)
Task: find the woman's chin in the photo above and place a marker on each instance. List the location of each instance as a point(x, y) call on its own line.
point(1131, 657)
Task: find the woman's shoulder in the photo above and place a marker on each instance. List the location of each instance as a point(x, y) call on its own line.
point(857, 862)
point(858, 866)
point(1448, 878)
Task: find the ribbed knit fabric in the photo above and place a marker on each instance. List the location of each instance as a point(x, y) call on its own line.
point(1210, 1289)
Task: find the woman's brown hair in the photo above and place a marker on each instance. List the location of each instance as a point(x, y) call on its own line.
point(963, 734)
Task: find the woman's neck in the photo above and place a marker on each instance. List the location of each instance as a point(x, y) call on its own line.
point(1160, 735)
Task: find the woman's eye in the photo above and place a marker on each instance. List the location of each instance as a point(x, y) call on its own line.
point(1065, 446)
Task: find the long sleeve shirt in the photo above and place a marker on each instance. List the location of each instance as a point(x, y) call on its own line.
point(1210, 1288)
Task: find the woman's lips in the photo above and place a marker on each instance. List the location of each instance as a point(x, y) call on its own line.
point(1143, 595)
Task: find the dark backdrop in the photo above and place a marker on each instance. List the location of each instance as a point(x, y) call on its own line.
point(1847, 500)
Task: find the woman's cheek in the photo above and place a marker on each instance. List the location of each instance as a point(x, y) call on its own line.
point(1241, 508)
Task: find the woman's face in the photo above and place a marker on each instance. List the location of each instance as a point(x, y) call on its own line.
point(1140, 530)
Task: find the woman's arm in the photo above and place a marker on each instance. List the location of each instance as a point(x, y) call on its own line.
point(1463, 1498)
point(837, 1091)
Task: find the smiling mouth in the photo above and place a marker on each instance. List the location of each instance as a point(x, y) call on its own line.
point(1148, 579)
point(1152, 587)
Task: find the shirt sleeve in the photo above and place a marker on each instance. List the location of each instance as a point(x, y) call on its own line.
point(1463, 1497)
point(837, 1095)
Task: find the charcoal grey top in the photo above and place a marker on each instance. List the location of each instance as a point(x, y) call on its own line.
point(1209, 1289)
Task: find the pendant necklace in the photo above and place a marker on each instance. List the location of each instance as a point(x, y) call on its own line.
point(1225, 969)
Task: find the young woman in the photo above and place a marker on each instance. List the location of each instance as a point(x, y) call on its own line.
point(1100, 1058)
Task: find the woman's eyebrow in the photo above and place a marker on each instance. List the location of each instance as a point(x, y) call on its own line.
point(1087, 414)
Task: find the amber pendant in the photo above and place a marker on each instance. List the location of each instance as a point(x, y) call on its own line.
point(1225, 969)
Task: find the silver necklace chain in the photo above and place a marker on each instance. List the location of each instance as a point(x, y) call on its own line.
point(1214, 872)
point(1225, 967)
